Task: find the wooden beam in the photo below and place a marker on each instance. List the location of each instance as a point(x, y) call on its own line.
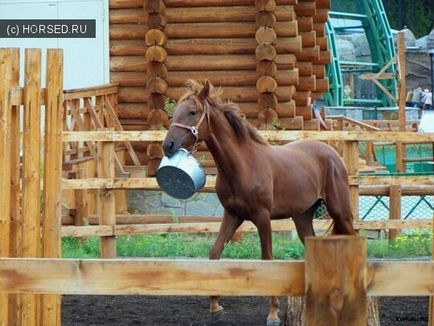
point(199, 277)
point(152, 277)
point(341, 299)
point(151, 183)
point(213, 227)
point(271, 135)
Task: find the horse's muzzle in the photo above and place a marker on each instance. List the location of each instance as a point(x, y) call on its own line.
point(169, 148)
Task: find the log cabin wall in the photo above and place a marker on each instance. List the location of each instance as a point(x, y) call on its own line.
point(268, 55)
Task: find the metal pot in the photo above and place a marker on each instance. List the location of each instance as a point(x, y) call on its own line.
point(180, 176)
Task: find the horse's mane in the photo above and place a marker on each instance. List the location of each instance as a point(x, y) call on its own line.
point(243, 129)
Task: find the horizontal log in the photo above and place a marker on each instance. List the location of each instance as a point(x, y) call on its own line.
point(162, 277)
point(211, 62)
point(154, 6)
point(318, 71)
point(322, 42)
point(208, 3)
point(127, 32)
point(212, 226)
point(127, 48)
point(236, 94)
point(305, 8)
point(305, 68)
point(307, 83)
point(199, 277)
point(323, 4)
point(118, 4)
point(225, 30)
point(310, 54)
point(266, 84)
point(128, 63)
point(128, 78)
point(323, 59)
point(302, 97)
point(295, 123)
point(286, 109)
point(211, 46)
point(132, 110)
point(308, 39)
point(146, 219)
point(319, 28)
point(304, 111)
point(305, 24)
point(311, 124)
point(321, 15)
point(223, 14)
point(322, 85)
point(132, 94)
point(127, 16)
point(230, 78)
point(380, 136)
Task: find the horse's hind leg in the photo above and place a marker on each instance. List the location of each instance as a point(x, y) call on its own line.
point(338, 205)
point(304, 223)
point(230, 224)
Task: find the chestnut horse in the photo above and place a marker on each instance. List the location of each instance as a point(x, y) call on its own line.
point(257, 181)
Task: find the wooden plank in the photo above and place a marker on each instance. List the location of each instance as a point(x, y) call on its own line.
point(15, 200)
point(199, 277)
point(339, 299)
point(271, 135)
point(400, 278)
point(6, 82)
point(351, 160)
point(106, 197)
point(213, 227)
point(111, 111)
point(31, 174)
point(394, 208)
point(51, 237)
point(151, 183)
point(77, 93)
point(152, 277)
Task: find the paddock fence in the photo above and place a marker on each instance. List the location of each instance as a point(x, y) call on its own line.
point(32, 274)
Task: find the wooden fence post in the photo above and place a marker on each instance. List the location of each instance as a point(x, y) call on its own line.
point(5, 166)
point(15, 200)
point(106, 198)
point(335, 281)
point(31, 220)
point(351, 159)
point(51, 240)
point(394, 208)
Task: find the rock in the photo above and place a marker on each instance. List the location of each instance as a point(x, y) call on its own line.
point(346, 50)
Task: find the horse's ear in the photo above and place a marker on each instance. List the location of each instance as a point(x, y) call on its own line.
point(204, 93)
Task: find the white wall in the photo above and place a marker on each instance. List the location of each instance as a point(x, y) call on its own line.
point(86, 60)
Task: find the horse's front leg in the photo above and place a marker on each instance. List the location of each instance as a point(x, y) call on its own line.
point(263, 224)
point(230, 224)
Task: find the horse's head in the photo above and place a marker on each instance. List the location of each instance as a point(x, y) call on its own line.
point(190, 122)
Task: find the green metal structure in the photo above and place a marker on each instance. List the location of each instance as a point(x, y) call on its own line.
point(368, 16)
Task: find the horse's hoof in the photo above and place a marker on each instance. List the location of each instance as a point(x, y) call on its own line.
point(216, 310)
point(273, 322)
point(219, 315)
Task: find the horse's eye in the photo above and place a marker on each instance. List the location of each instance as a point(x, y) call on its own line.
point(192, 112)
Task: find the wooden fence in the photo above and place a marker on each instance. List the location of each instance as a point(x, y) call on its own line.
point(30, 223)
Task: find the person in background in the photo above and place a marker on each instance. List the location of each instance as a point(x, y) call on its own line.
point(428, 100)
point(423, 98)
point(417, 97)
point(409, 97)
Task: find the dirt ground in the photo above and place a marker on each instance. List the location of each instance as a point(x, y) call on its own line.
point(192, 311)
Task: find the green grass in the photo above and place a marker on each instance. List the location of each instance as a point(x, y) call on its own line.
point(184, 245)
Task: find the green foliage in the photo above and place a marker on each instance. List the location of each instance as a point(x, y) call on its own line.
point(419, 243)
point(186, 245)
point(169, 107)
